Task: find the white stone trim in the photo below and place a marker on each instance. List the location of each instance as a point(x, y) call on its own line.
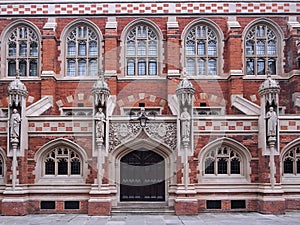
point(244, 105)
point(39, 107)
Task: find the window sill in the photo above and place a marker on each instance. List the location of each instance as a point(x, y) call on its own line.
point(290, 179)
point(61, 179)
point(223, 179)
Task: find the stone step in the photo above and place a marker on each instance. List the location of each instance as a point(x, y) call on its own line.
point(149, 210)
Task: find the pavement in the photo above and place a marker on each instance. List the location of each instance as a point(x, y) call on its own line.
point(290, 218)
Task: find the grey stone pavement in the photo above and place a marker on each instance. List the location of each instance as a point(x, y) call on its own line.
point(290, 218)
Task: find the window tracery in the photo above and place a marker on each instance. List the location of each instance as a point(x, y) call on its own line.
point(23, 52)
point(291, 161)
point(82, 52)
point(201, 51)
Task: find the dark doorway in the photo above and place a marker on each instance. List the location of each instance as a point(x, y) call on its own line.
point(142, 176)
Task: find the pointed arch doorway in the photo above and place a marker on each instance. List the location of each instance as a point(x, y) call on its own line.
point(142, 176)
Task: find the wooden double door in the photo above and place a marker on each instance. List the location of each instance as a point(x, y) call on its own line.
point(142, 176)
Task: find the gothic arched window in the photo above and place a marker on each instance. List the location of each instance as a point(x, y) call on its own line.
point(141, 51)
point(62, 161)
point(201, 51)
point(82, 53)
point(261, 50)
point(291, 161)
point(23, 50)
point(222, 160)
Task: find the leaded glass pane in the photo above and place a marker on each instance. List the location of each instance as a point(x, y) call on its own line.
point(1, 167)
point(272, 66)
point(250, 66)
point(12, 49)
point(23, 49)
point(12, 68)
point(190, 69)
point(75, 167)
point(271, 48)
point(212, 48)
point(212, 67)
point(222, 166)
point(62, 167)
point(288, 166)
point(209, 166)
point(298, 166)
point(201, 48)
point(82, 52)
point(50, 167)
point(33, 68)
point(190, 48)
point(141, 42)
point(201, 67)
point(33, 49)
point(261, 67)
point(235, 166)
point(23, 68)
point(260, 48)
point(250, 48)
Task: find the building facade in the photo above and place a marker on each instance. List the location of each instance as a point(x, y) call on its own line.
point(187, 105)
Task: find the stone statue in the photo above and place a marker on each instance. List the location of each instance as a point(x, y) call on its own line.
point(15, 121)
point(185, 124)
point(100, 120)
point(271, 118)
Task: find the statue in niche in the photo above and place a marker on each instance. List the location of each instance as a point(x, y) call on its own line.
point(185, 124)
point(271, 118)
point(100, 121)
point(15, 121)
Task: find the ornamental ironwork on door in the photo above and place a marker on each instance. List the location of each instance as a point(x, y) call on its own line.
point(142, 176)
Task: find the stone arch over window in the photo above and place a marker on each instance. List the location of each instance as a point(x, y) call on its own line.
point(141, 49)
point(202, 48)
point(224, 160)
point(61, 160)
point(290, 162)
point(22, 44)
point(2, 166)
point(81, 48)
point(263, 41)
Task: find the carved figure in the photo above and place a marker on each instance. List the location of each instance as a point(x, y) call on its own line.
point(185, 124)
point(100, 117)
point(15, 121)
point(271, 118)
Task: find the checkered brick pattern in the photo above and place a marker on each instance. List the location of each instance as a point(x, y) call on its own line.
point(150, 7)
point(289, 125)
point(225, 125)
point(60, 126)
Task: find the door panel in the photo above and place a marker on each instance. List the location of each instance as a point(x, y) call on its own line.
point(142, 176)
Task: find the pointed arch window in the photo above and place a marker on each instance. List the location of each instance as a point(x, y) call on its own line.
point(62, 161)
point(141, 51)
point(201, 51)
point(23, 49)
point(82, 56)
point(261, 50)
point(291, 161)
point(223, 161)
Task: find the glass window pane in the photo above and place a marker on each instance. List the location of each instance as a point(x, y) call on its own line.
point(93, 50)
point(261, 67)
point(33, 49)
point(212, 48)
point(71, 70)
point(71, 49)
point(272, 66)
point(260, 48)
point(82, 49)
point(288, 166)
point(75, 167)
point(190, 48)
point(152, 48)
point(152, 67)
point(82, 68)
point(1, 168)
point(209, 166)
point(130, 48)
point(190, 67)
point(130, 67)
point(33, 68)
point(93, 68)
point(250, 48)
point(250, 67)
point(298, 166)
point(141, 67)
point(201, 67)
point(222, 166)
point(235, 166)
point(12, 68)
point(62, 167)
point(271, 48)
point(12, 49)
point(201, 48)
point(141, 48)
point(50, 167)
point(23, 49)
point(22, 68)
point(212, 67)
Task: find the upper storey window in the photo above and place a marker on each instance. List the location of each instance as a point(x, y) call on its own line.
point(261, 50)
point(22, 52)
point(141, 51)
point(201, 50)
point(82, 52)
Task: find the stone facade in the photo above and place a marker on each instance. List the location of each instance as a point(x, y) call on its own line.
point(215, 59)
